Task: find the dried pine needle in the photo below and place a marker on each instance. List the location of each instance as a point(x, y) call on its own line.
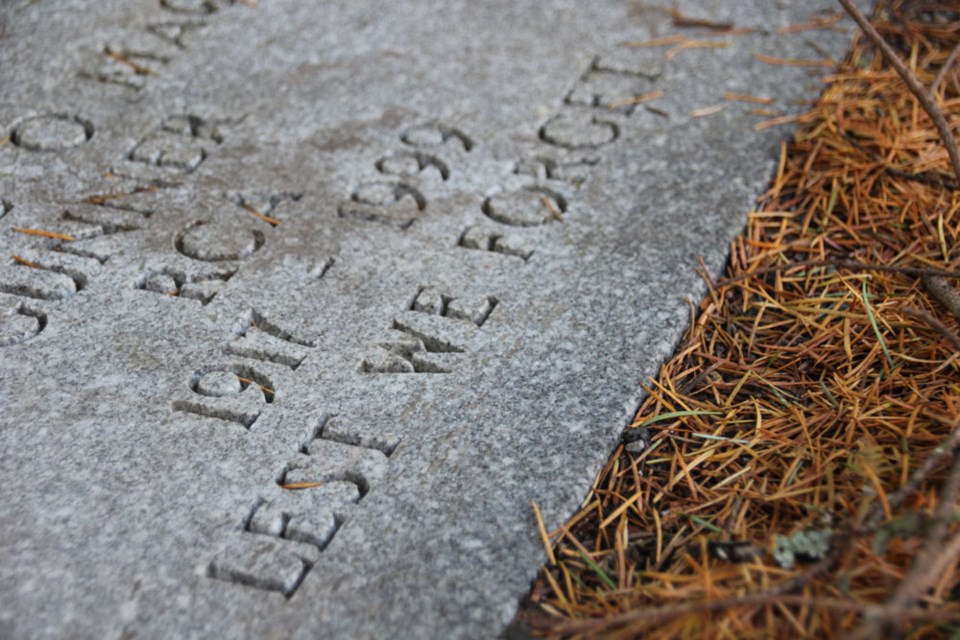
point(824, 22)
point(273, 222)
point(552, 207)
point(706, 111)
point(123, 59)
point(297, 486)
point(657, 42)
point(263, 388)
point(45, 234)
point(776, 121)
point(25, 262)
point(687, 45)
point(102, 198)
point(543, 534)
point(742, 97)
point(646, 97)
point(794, 62)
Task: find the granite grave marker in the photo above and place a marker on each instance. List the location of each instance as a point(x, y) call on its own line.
point(301, 304)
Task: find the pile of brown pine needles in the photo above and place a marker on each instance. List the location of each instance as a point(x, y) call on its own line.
point(802, 477)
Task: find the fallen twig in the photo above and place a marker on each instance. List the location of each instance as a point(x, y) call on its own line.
point(926, 100)
point(936, 181)
point(846, 264)
point(595, 628)
point(946, 295)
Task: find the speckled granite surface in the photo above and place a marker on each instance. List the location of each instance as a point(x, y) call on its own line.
point(339, 287)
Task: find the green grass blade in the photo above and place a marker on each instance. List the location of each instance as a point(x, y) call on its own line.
point(707, 436)
point(678, 414)
point(876, 329)
point(600, 572)
point(703, 523)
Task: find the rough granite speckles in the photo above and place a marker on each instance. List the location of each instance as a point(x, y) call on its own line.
point(347, 285)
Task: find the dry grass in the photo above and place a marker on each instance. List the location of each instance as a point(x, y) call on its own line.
point(818, 377)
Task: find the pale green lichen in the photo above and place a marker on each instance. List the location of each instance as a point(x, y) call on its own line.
point(802, 546)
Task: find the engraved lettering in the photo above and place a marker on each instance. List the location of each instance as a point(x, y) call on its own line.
point(393, 203)
point(263, 562)
point(52, 132)
point(264, 206)
point(412, 165)
point(218, 241)
point(574, 172)
point(19, 323)
point(582, 131)
point(530, 207)
point(646, 62)
point(181, 144)
point(231, 393)
point(606, 89)
point(486, 240)
point(433, 336)
point(201, 286)
point(174, 32)
point(282, 535)
point(46, 275)
point(434, 134)
point(260, 339)
point(194, 7)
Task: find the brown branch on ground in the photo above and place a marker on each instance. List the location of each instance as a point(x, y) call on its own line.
point(923, 178)
point(682, 20)
point(946, 295)
point(599, 628)
point(847, 264)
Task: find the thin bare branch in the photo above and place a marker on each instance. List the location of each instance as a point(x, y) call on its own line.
point(945, 294)
point(596, 628)
point(847, 264)
point(926, 100)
